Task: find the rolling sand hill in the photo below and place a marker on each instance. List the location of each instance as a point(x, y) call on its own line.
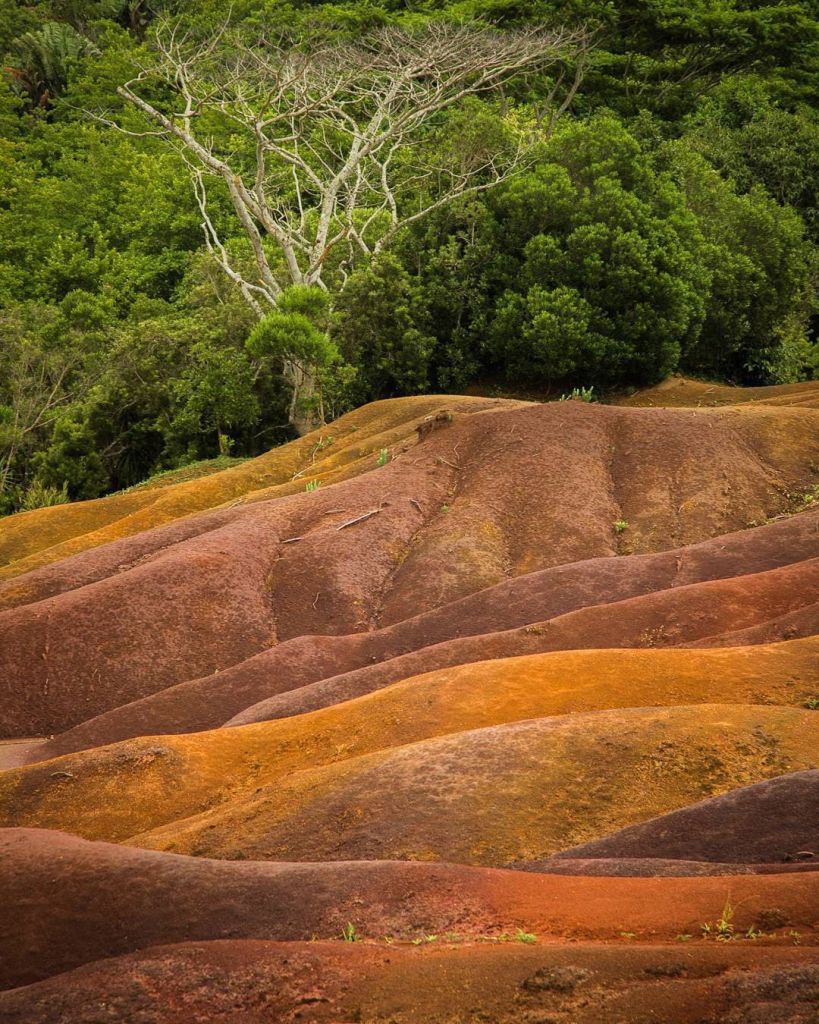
point(278, 681)
point(118, 900)
point(527, 708)
point(490, 496)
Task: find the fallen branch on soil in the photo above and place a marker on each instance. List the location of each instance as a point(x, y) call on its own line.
point(341, 526)
point(359, 519)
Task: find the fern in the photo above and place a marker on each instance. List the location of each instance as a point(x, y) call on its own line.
point(41, 61)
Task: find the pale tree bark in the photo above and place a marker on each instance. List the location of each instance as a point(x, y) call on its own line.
point(333, 156)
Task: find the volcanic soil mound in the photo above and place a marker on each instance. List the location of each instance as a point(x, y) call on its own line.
point(483, 500)
point(167, 778)
point(74, 902)
point(577, 640)
point(212, 700)
point(677, 392)
point(33, 539)
point(699, 614)
point(510, 792)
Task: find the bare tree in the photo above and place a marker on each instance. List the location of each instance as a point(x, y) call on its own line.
point(326, 149)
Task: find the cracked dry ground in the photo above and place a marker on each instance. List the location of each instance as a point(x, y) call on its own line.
point(437, 741)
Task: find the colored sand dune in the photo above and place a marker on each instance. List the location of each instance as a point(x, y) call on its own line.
point(526, 712)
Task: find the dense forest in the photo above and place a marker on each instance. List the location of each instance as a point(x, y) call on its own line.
point(643, 202)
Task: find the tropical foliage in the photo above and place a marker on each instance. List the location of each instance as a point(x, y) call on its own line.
point(666, 222)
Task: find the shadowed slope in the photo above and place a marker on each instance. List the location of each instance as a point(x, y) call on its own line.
point(73, 902)
point(771, 821)
point(212, 700)
point(140, 784)
point(655, 867)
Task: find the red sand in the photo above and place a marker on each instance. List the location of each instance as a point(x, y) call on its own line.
point(78, 902)
point(256, 982)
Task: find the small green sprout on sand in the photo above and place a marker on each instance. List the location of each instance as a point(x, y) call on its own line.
point(684, 937)
point(527, 937)
point(722, 930)
point(424, 939)
point(313, 485)
point(620, 526)
point(812, 704)
point(445, 508)
point(383, 457)
point(348, 932)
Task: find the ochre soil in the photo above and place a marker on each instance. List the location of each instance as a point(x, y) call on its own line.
point(527, 711)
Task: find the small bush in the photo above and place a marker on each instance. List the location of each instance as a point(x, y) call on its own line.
point(579, 395)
